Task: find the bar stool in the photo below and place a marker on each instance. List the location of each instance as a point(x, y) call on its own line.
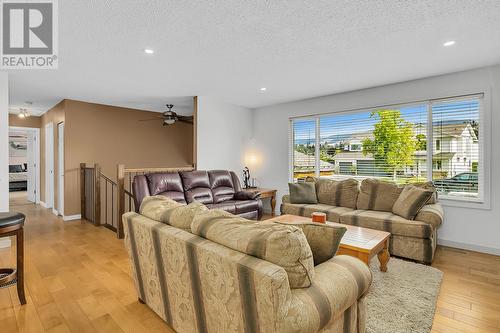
point(11, 224)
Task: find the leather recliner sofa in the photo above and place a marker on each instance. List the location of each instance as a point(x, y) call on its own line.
point(219, 189)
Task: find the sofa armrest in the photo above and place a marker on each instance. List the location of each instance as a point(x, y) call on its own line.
point(246, 195)
point(285, 198)
point(339, 283)
point(432, 214)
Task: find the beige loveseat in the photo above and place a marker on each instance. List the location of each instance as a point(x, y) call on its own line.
point(369, 204)
point(199, 285)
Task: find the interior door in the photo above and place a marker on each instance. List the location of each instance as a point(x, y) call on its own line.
point(49, 165)
point(31, 163)
point(60, 168)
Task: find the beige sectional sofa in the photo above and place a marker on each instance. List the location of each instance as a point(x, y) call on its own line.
point(199, 279)
point(370, 205)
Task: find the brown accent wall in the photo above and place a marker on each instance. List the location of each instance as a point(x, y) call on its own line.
point(112, 135)
point(33, 122)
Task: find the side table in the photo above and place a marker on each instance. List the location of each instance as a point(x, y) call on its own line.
point(265, 193)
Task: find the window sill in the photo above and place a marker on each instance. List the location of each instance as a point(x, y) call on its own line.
point(463, 203)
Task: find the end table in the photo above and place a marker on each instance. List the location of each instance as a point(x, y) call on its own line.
point(265, 193)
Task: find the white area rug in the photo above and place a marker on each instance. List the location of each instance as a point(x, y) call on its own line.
point(403, 299)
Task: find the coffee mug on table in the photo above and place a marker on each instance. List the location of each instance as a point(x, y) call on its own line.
point(318, 217)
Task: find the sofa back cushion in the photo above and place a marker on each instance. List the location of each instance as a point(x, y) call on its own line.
point(378, 195)
point(166, 184)
point(183, 216)
point(222, 185)
point(283, 245)
point(196, 186)
point(158, 208)
point(340, 193)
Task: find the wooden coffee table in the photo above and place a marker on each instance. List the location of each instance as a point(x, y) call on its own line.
point(359, 242)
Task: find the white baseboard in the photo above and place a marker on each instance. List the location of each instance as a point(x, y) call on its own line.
point(54, 211)
point(43, 204)
point(471, 247)
point(72, 217)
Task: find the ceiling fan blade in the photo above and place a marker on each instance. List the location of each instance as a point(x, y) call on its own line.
point(150, 119)
point(186, 120)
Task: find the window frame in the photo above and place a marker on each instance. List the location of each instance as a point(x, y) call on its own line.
point(484, 158)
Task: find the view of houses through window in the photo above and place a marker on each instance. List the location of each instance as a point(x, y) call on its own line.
point(393, 143)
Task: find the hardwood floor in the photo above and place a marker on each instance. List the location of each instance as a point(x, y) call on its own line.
point(78, 280)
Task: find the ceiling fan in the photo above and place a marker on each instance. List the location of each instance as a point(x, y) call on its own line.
point(170, 117)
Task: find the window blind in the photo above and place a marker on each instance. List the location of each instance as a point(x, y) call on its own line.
point(436, 140)
point(457, 148)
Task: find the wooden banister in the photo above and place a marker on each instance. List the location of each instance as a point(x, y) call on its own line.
point(82, 190)
point(120, 176)
point(123, 174)
point(97, 196)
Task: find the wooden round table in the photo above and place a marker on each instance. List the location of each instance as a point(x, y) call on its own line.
point(11, 224)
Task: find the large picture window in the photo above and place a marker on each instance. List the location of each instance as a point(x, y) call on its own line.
point(436, 140)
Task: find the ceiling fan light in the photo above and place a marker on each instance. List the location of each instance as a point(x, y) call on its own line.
point(169, 121)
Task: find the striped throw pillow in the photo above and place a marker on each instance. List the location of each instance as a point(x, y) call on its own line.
point(411, 200)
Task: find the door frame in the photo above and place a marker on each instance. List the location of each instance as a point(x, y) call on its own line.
point(49, 165)
point(60, 168)
point(36, 131)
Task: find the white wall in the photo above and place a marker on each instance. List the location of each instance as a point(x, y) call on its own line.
point(4, 144)
point(477, 229)
point(223, 132)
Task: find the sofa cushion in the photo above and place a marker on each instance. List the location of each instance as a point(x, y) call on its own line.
point(196, 186)
point(324, 239)
point(164, 182)
point(283, 245)
point(244, 206)
point(332, 213)
point(227, 206)
point(411, 200)
point(221, 183)
point(158, 208)
point(389, 222)
point(302, 193)
point(378, 195)
point(340, 193)
point(182, 216)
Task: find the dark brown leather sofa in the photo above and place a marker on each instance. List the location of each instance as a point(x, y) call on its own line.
point(216, 189)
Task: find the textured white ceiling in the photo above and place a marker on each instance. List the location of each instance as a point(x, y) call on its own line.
point(230, 49)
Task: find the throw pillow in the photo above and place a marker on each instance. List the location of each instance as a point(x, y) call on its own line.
point(339, 193)
point(181, 217)
point(378, 195)
point(302, 193)
point(429, 186)
point(282, 245)
point(324, 239)
point(158, 208)
point(411, 200)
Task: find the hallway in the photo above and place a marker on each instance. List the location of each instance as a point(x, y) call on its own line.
point(77, 280)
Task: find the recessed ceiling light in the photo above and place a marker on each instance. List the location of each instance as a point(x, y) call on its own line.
point(449, 43)
point(263, 89)
point(148, 51)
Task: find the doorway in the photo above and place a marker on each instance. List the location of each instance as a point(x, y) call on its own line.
point(49, 166)
point(60, 168)
point(24, 162)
